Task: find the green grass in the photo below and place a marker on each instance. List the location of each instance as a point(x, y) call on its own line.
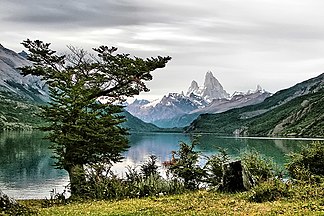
point(193, 203)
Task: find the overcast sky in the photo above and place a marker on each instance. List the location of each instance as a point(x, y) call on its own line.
point(274, 43)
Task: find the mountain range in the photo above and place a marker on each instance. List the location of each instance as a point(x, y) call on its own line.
point(179, 109)
point(296, 111)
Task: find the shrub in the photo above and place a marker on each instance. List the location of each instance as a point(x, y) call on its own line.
point(9, 206)
point(55, 199)
point(103, 184)
point(214, 167)
point(149, 168)
point(259, 167)
point(270, 190)
point(307, 165)
point(186, 167)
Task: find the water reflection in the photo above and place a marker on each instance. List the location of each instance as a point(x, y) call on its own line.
point(26, 169)
point(26, 166)
point(277, 149)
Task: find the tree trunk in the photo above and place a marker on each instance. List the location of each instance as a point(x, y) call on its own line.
point(77, 179)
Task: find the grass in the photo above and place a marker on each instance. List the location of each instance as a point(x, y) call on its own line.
point(193, 203)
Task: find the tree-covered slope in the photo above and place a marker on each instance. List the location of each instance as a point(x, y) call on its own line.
point(17, 113)
point(134, 124)
point(296, 111)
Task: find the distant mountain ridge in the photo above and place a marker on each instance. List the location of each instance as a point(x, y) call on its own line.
point(179, 110)
point(296, 111)
point(28, 87)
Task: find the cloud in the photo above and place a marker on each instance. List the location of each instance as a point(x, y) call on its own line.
point(275, 43)
point(81, 13)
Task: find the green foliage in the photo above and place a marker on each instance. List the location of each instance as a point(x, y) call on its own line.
point(261, 168)
point(17, 113)
point(56, 199)
point(186, 167)
point(214, 167)
point(9, 206)
point(305, 190)
point(307, 165)
point(84, 131)
point(149, 168)
point(143, 183)
point(270, 190)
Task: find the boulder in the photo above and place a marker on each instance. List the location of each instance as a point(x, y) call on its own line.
point(236, 178)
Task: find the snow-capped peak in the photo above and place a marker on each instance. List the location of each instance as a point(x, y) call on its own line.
point(194, 88)
point(212, 89)
point(258, 89)
point(152, 103)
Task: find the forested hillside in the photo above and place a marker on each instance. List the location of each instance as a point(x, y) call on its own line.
point(296, 111)
point(17, 114)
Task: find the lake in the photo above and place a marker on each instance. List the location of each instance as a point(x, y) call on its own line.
point(26, 166)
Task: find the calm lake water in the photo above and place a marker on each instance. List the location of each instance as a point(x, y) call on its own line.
point(26, 166)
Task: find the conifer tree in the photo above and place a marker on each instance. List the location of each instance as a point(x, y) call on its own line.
point(83, 130)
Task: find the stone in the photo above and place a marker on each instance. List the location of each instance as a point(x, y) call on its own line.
point(236, 178)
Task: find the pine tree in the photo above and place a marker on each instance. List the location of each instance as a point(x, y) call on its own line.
point(84, 131)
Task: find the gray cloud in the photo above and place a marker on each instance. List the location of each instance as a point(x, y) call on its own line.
point(273, 43)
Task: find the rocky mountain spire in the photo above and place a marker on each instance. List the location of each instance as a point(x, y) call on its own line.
point(212, 89)
point(194, 88)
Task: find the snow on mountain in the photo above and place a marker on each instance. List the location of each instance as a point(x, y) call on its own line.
point(258, 89)
point(209, 98)
point(170, 106)
point(238, 99)
point(194, 89)
point(29, 87)
point(212, 89)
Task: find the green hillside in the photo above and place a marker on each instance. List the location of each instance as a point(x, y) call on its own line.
point(17, 113)
point(296, 111)
point(134, 124)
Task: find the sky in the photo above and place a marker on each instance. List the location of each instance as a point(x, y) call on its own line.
point(273, 43)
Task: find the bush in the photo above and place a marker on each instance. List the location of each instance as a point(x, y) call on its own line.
point(261, 168)
point(103, 184)
point(55, 199)
point(214, 167)
point(270, 190)
point(308, 165)
point(306, 191)
point(149, 168)
point(186, 167)
point(9, 206)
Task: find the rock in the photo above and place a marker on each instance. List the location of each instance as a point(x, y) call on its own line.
point(236, 178)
